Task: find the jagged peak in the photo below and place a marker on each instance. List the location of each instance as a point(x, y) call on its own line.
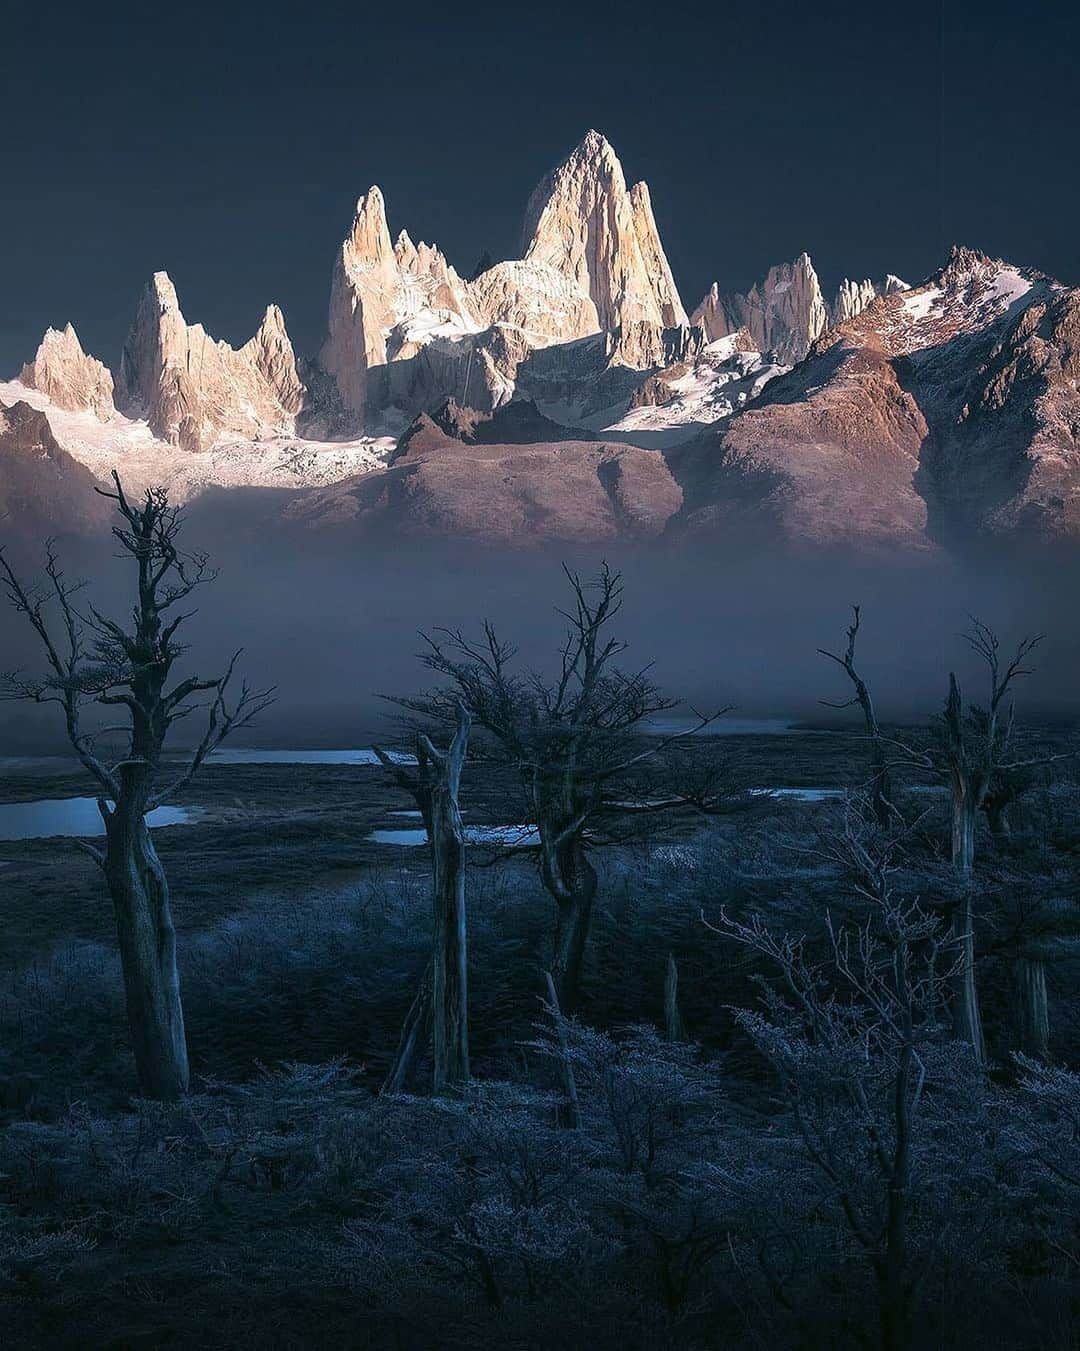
point(965, 262)
point(369, 237)
point(371, 201)
point(964, 255)
point(594, 154)
point(161, 289)
point(53, 337)
point(782, 273)
point(593, 145)
point(70, 377)
point(273, 322)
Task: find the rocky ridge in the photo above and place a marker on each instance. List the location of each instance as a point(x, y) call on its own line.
point(937, 416)
point(70, 378)
point(888, 417)
point(786, 313)
point(192, 389)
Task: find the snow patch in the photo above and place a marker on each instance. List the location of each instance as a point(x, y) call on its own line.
point(919, 304)
point(128, 446)
point(1009, 285)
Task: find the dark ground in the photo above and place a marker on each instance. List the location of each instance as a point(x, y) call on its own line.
point(241, 1221)
point(296, 828)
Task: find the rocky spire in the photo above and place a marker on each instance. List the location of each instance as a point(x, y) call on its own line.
point(854, 296)
point(365, 273)
point(585, 223)
point(369, 239)
point(851, 299)
point(71, 379)
point(785, 313)
point(712, 315)
point(656, 264)
point(404, 250)
point(270, 351)
point(386, 300)
point(192, 389)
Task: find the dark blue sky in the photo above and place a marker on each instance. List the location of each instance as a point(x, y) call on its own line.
point(227, 146)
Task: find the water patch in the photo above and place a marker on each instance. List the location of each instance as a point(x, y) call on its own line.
point(408, 839)
point(238, 755)
point(75, 817)
point(799, 794)
point(723, 726)
point(508, 836)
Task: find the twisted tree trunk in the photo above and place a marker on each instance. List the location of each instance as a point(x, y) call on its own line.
point(577, 883)
point(140, 896)
point(443, 997)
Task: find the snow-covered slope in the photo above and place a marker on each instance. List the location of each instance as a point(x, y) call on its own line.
point(129, 446)
point(694, 394)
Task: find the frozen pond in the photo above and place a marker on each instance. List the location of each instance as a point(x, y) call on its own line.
point(72, 816)
point(506, 835)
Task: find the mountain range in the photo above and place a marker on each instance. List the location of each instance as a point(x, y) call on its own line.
point(569, 395)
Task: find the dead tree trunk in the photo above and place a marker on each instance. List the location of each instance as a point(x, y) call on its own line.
point(674, 1028)
point(147, 941)
point(968, 789)
point(573, 883)
point(964, 817)
point(414, 1033)
point(572, 1110)
point(450, 1001)
point(967, 1016)
point(1033, 1014)
point(443, 995)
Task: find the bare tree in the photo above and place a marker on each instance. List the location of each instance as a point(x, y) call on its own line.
point(976, 744)
point(92, 659)
point(855, 1039)
point(976, 741)
point(880, 782)
point(435, 788)
point(975, 755)
point(574, 741)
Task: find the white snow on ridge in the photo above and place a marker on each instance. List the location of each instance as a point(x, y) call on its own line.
point(918, 304)
point(721, 381)
point(1009, 285)
point(129, 446)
